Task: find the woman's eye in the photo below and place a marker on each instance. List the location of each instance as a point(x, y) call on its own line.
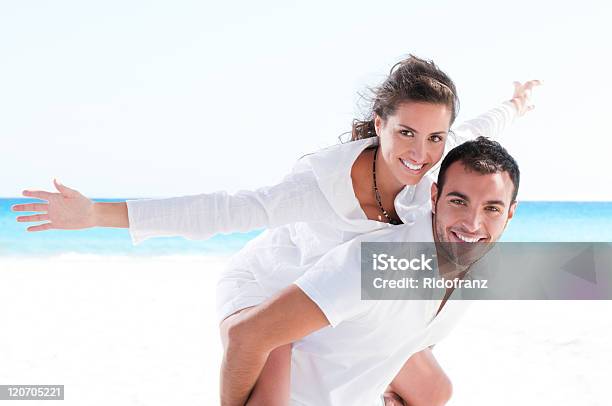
point(436, 138)
point(407, 133)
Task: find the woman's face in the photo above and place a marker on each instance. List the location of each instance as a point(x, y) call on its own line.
point(412, 139)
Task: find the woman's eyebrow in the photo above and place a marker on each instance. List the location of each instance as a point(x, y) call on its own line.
point(416, 132)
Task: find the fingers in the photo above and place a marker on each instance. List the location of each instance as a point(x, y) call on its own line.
point(44, 207)
point(522, 95)
point(65, 190)
point(40, 227)
point(526, 93)
point(530, 84)
point(37, 194)
point(33, 217)
point(536, 82)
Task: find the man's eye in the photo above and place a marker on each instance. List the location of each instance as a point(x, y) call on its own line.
point(493, 209)
point(458, 202)
point(407, 133)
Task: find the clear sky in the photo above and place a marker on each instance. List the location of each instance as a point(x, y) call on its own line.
point(150, 98)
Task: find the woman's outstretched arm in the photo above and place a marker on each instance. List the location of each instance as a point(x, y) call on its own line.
point(296, 198)
point(494, 122)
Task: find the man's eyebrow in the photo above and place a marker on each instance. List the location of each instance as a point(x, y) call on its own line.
point(416, 132)
point(498, 202)
point(459, 195)
point(467, 199)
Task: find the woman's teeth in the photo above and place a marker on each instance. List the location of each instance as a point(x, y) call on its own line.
point(411, 166)
point(466, 239)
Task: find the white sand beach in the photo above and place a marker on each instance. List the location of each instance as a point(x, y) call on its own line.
point(127, 331)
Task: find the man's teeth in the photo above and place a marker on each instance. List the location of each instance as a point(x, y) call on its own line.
point(411, 166)
point(466, 239)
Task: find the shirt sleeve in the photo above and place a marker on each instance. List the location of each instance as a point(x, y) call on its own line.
point(296, 198)
point(491, 124)
point(334, 283)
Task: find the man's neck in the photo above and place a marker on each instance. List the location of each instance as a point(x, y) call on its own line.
point(446, 267)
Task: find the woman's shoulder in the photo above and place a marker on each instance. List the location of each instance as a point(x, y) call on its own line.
point(334, 159)
point(414, 198)
point(331, 169)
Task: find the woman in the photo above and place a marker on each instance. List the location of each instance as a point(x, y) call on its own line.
point(376, 181)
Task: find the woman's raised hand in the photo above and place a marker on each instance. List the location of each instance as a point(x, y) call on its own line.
point(522, 96)
point(66, 210)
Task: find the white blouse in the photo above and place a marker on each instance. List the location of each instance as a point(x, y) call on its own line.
point(312, 210)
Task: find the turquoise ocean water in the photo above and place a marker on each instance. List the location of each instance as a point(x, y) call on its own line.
point(533, 221)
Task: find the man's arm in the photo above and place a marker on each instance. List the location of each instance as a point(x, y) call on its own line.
point(251, 335)
point(422, 381)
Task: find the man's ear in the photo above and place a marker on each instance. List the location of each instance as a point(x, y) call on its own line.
point(434, 197)
point(511, 209)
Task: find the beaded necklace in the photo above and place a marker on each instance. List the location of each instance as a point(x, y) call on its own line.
point(377, 194)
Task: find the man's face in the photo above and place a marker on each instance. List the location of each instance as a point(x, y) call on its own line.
point(471, 212)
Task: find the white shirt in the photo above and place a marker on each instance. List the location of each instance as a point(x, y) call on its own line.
point(352, 361)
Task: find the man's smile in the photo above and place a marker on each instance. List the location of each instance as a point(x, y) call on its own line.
point(466, 237)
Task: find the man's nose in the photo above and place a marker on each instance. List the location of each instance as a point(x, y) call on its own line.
point(472, 221)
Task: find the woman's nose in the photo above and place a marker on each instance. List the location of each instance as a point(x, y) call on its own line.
point(417, 152)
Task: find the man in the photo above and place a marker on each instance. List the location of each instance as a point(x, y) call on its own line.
point(346, 351)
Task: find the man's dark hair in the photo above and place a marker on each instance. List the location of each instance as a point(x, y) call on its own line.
point(484, 156)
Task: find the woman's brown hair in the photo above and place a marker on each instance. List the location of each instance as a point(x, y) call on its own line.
point(411, 79)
